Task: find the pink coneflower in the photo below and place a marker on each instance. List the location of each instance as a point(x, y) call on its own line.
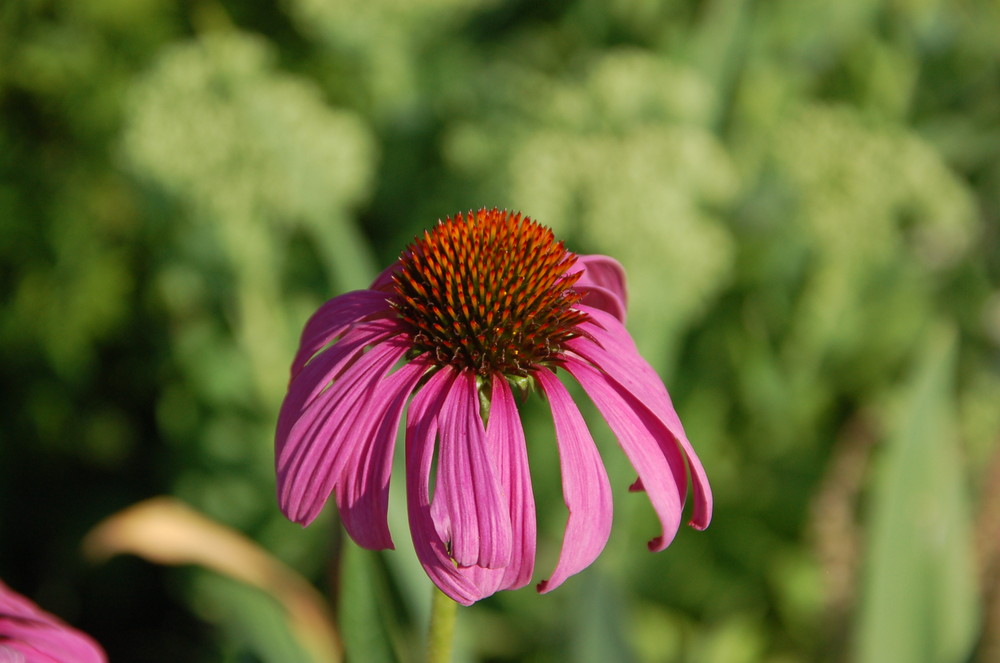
point(28, 634)
point(477, 305)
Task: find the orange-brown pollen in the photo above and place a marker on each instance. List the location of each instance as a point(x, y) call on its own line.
point(489, 292)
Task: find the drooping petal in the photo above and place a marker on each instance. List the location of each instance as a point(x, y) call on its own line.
point(363, 491)
point(440, 512)
point(307, 384)
point(333, 318)
point(586, 489)
point(637, 429)
point(478, 516)
point(29, 634)
point(603, 284)
point(604, 271)
point(8, 655)
point(506, 445)
point(616, 355)
point(505, 441)
point(325, 436)
point(421, 432)
point(383, 282)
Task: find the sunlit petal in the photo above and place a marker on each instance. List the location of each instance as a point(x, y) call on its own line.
point(585, 485)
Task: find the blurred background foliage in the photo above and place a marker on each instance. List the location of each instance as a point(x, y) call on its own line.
point(805, 195)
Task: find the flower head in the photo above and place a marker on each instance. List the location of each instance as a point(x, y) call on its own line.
point(28, 634)
point(491, 295)
point(481, 302)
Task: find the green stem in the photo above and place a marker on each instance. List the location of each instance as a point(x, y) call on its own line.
point(442, 628)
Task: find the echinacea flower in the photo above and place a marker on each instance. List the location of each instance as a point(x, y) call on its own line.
point(479, 304)
point(28, 634)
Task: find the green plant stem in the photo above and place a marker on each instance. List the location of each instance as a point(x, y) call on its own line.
point(442, 628)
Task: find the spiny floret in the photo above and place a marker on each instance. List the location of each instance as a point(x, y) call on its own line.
point(489, 292)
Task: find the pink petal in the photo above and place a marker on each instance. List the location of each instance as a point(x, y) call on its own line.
point(508, 453)
point(616, 354)
point(8, 655)
point(325, 436)
point(603, 284)
point(28, 633)
point(505, 441)
point(637, 429)
point(363, 492)
point(421, 432)
point(383, 282)
point(479, 519)
point(586, 490)
point(440, 511)
point(334, 317)
point(306, 385)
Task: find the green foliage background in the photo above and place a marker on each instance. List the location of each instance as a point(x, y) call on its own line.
point(805, 196)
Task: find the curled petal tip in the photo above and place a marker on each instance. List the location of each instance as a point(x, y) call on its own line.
point(700, 524)
point(461, 600)
point(663, 541)
point(657, 544)
point(302, 519)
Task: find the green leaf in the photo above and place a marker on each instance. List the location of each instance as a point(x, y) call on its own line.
point(252, 619)
point(919, 600)
point(598, 623)
point(363, 621)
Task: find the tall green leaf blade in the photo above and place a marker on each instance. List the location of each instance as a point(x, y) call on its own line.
point(252, 620)
point(598, 631)
point(919, 596)
point(366, 634)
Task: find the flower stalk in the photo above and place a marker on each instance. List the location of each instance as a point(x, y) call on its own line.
point(440, 634)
